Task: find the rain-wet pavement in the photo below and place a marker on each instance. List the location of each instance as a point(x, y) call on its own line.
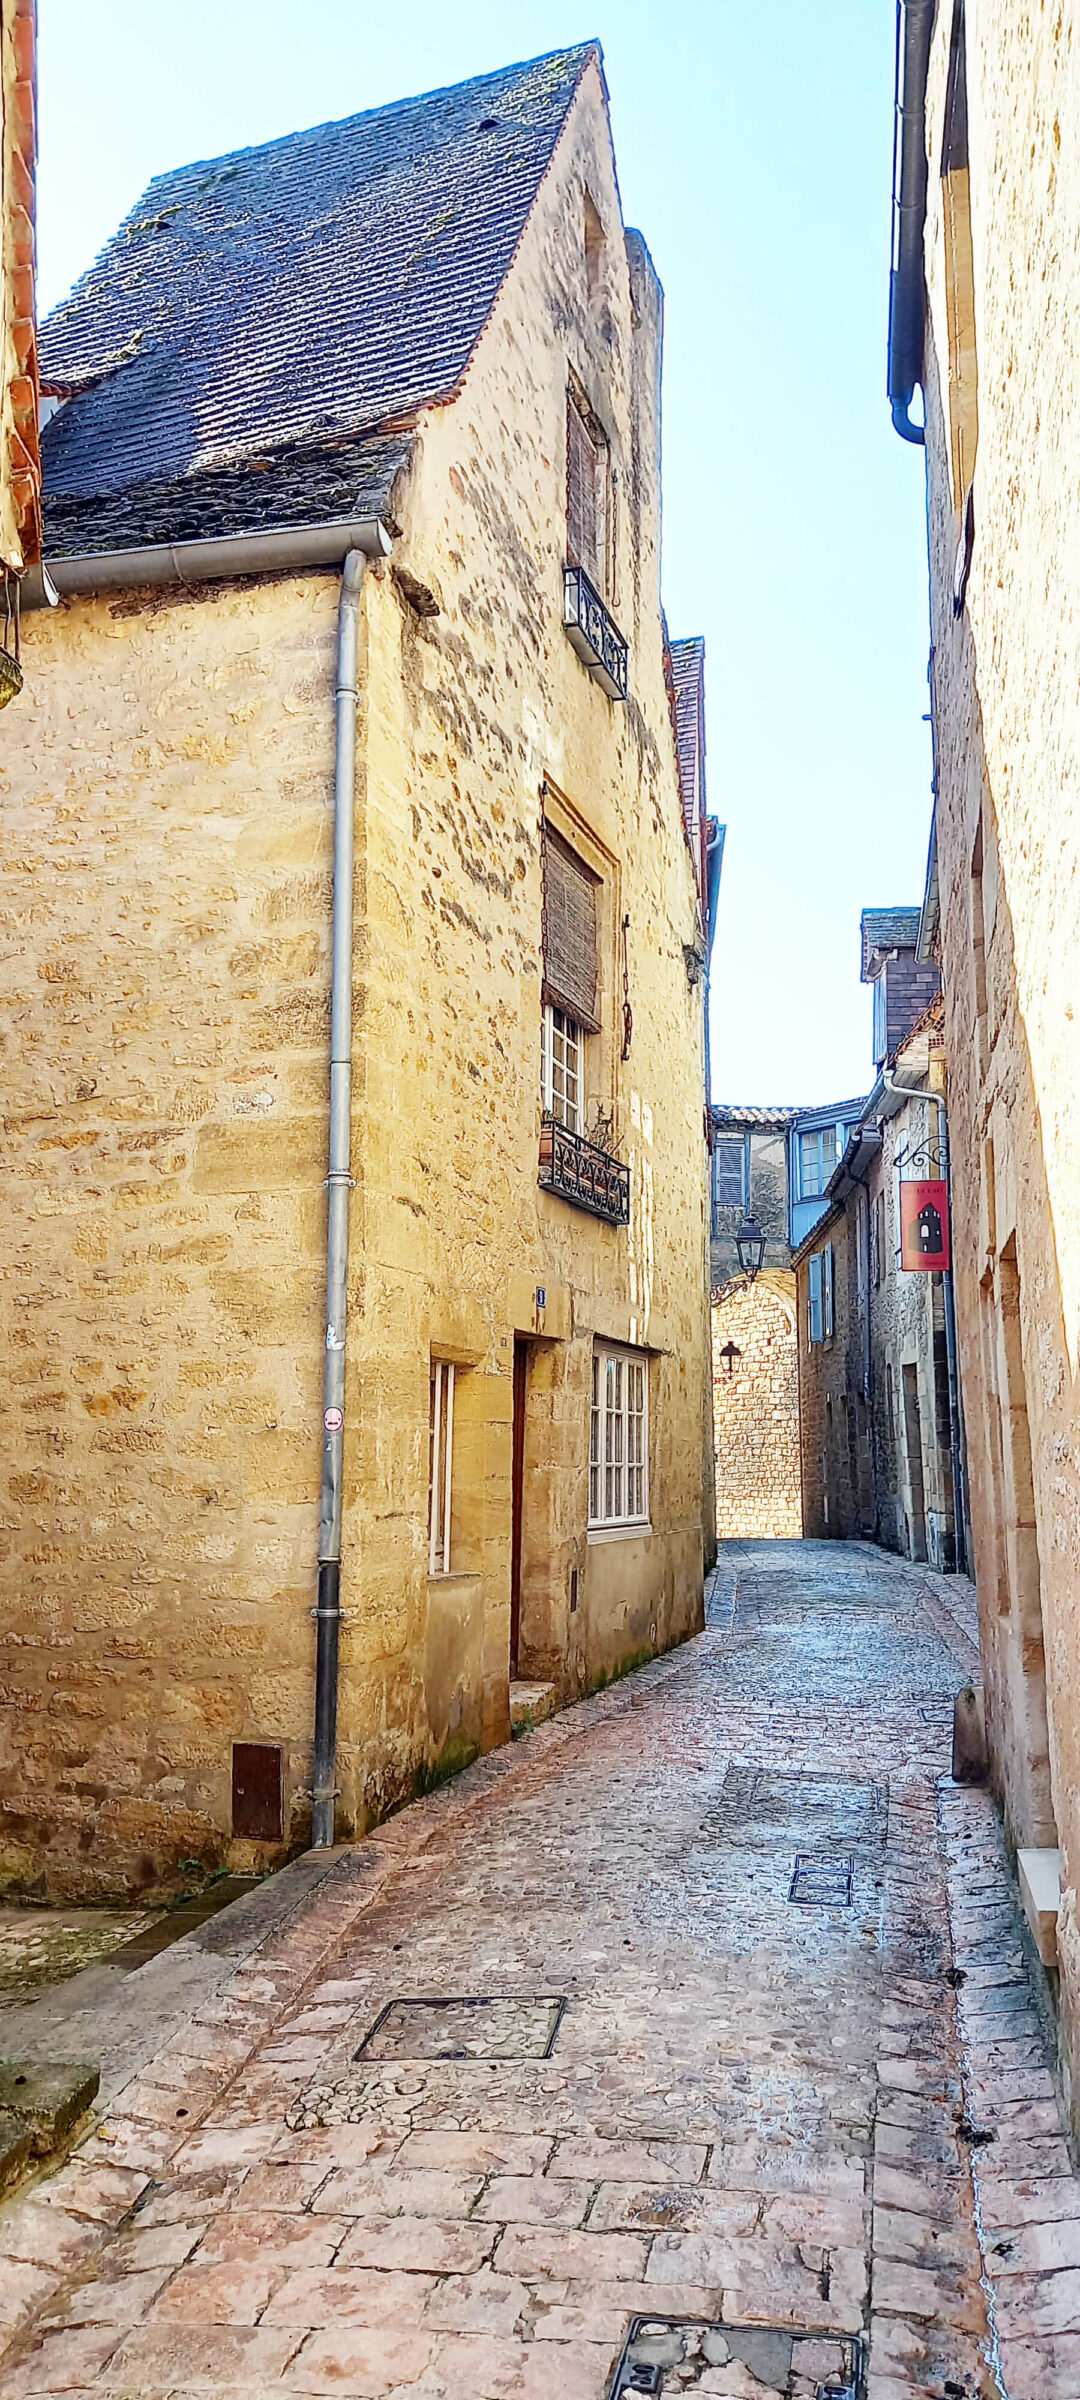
point(721, 2130)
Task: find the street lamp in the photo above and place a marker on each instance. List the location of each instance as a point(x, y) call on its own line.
point(750, 1244)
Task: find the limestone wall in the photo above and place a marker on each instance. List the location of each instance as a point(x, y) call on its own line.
point(756, 1410)
point(164, 865)
point(1007, 708)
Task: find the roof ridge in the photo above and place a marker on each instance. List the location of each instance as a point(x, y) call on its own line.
point(582, 51)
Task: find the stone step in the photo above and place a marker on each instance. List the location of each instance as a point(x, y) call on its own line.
point(530, 1703)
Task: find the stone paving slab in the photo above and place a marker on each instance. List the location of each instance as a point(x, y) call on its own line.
point(755, 2113)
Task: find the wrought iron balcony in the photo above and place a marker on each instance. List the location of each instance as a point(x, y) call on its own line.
point(575, 1170)
point(595, 637)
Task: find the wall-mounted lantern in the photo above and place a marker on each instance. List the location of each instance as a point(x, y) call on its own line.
point(729, 1354)
point(750, 1244)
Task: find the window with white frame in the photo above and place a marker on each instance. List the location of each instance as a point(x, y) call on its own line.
point(619, 1438)
point(562, 1069)
point(440, 1466)
point(817, 1158)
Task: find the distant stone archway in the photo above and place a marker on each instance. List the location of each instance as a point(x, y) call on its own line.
point(756, 1409)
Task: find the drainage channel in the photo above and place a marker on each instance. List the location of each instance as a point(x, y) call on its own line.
point(177, 1921)
point(672, 2354)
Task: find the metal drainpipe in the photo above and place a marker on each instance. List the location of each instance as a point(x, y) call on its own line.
point(338, 1185)
point(914, 30)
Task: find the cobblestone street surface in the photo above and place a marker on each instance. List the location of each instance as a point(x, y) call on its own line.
point(685, 2045)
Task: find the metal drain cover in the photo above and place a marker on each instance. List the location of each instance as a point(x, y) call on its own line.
point(465, 2028)
point(675, 2354)
point(822, 1879)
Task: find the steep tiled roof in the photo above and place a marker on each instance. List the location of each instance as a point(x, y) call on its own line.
point(888, 929)
point(688, 677)
point(296, 297)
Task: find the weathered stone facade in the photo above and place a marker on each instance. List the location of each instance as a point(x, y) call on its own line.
point(876, 1417)
point(1002, 246)
point(756, 1409)
point(165, 844)
point(20, 466)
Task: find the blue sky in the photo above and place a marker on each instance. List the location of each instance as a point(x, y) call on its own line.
point(754, 152)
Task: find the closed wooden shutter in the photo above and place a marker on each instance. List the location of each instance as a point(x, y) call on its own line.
point(571, 956)
point(586, 494)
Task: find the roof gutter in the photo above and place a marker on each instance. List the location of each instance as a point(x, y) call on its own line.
point(914, 26)
point(274, 551)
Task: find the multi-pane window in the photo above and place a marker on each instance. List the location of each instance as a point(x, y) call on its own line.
point(817, 1158)
point(619, 1438)
point(729, 1171)
point(440, 1466)
point(562, 1069)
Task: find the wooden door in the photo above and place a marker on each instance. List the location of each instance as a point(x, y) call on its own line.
point(517, 1488)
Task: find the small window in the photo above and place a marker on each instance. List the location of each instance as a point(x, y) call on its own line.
point(815, 1315)
point(587, 498)
point(879, 1239)
point(619, 1438)
point(594, 247)
point(562, 1069)
point(440, 1466)
point(881, 1033)
point(817, 1158)
point(828, 1291)
point(729, 1171)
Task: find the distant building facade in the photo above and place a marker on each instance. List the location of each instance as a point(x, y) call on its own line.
point(879, 1397)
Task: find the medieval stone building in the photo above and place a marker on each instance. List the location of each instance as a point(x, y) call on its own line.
point(419, 343)
point(984, 297)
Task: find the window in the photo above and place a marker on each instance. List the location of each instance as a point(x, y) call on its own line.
point(815, 1313)
point(570, 931)
point(881, 1031)
point(594, 247)
point(440, 1466)
point(817, 1158)
point(562, 1069)
point(619, 1438)
point(729, 1171)
point(587, 499)
point(828, 1290)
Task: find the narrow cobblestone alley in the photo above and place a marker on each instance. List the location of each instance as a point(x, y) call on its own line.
point(651, 2017)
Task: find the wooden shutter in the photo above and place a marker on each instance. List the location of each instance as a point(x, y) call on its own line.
point(571, 954)
point(586, 497)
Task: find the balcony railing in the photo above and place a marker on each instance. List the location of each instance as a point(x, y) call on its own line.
point(575, 1170)
point(594, 636)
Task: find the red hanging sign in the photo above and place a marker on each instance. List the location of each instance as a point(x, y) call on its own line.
point(924, 1228)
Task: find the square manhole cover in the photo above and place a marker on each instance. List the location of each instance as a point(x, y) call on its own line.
point(452, 2028)
point(680, 2354)
point(822, 1879)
